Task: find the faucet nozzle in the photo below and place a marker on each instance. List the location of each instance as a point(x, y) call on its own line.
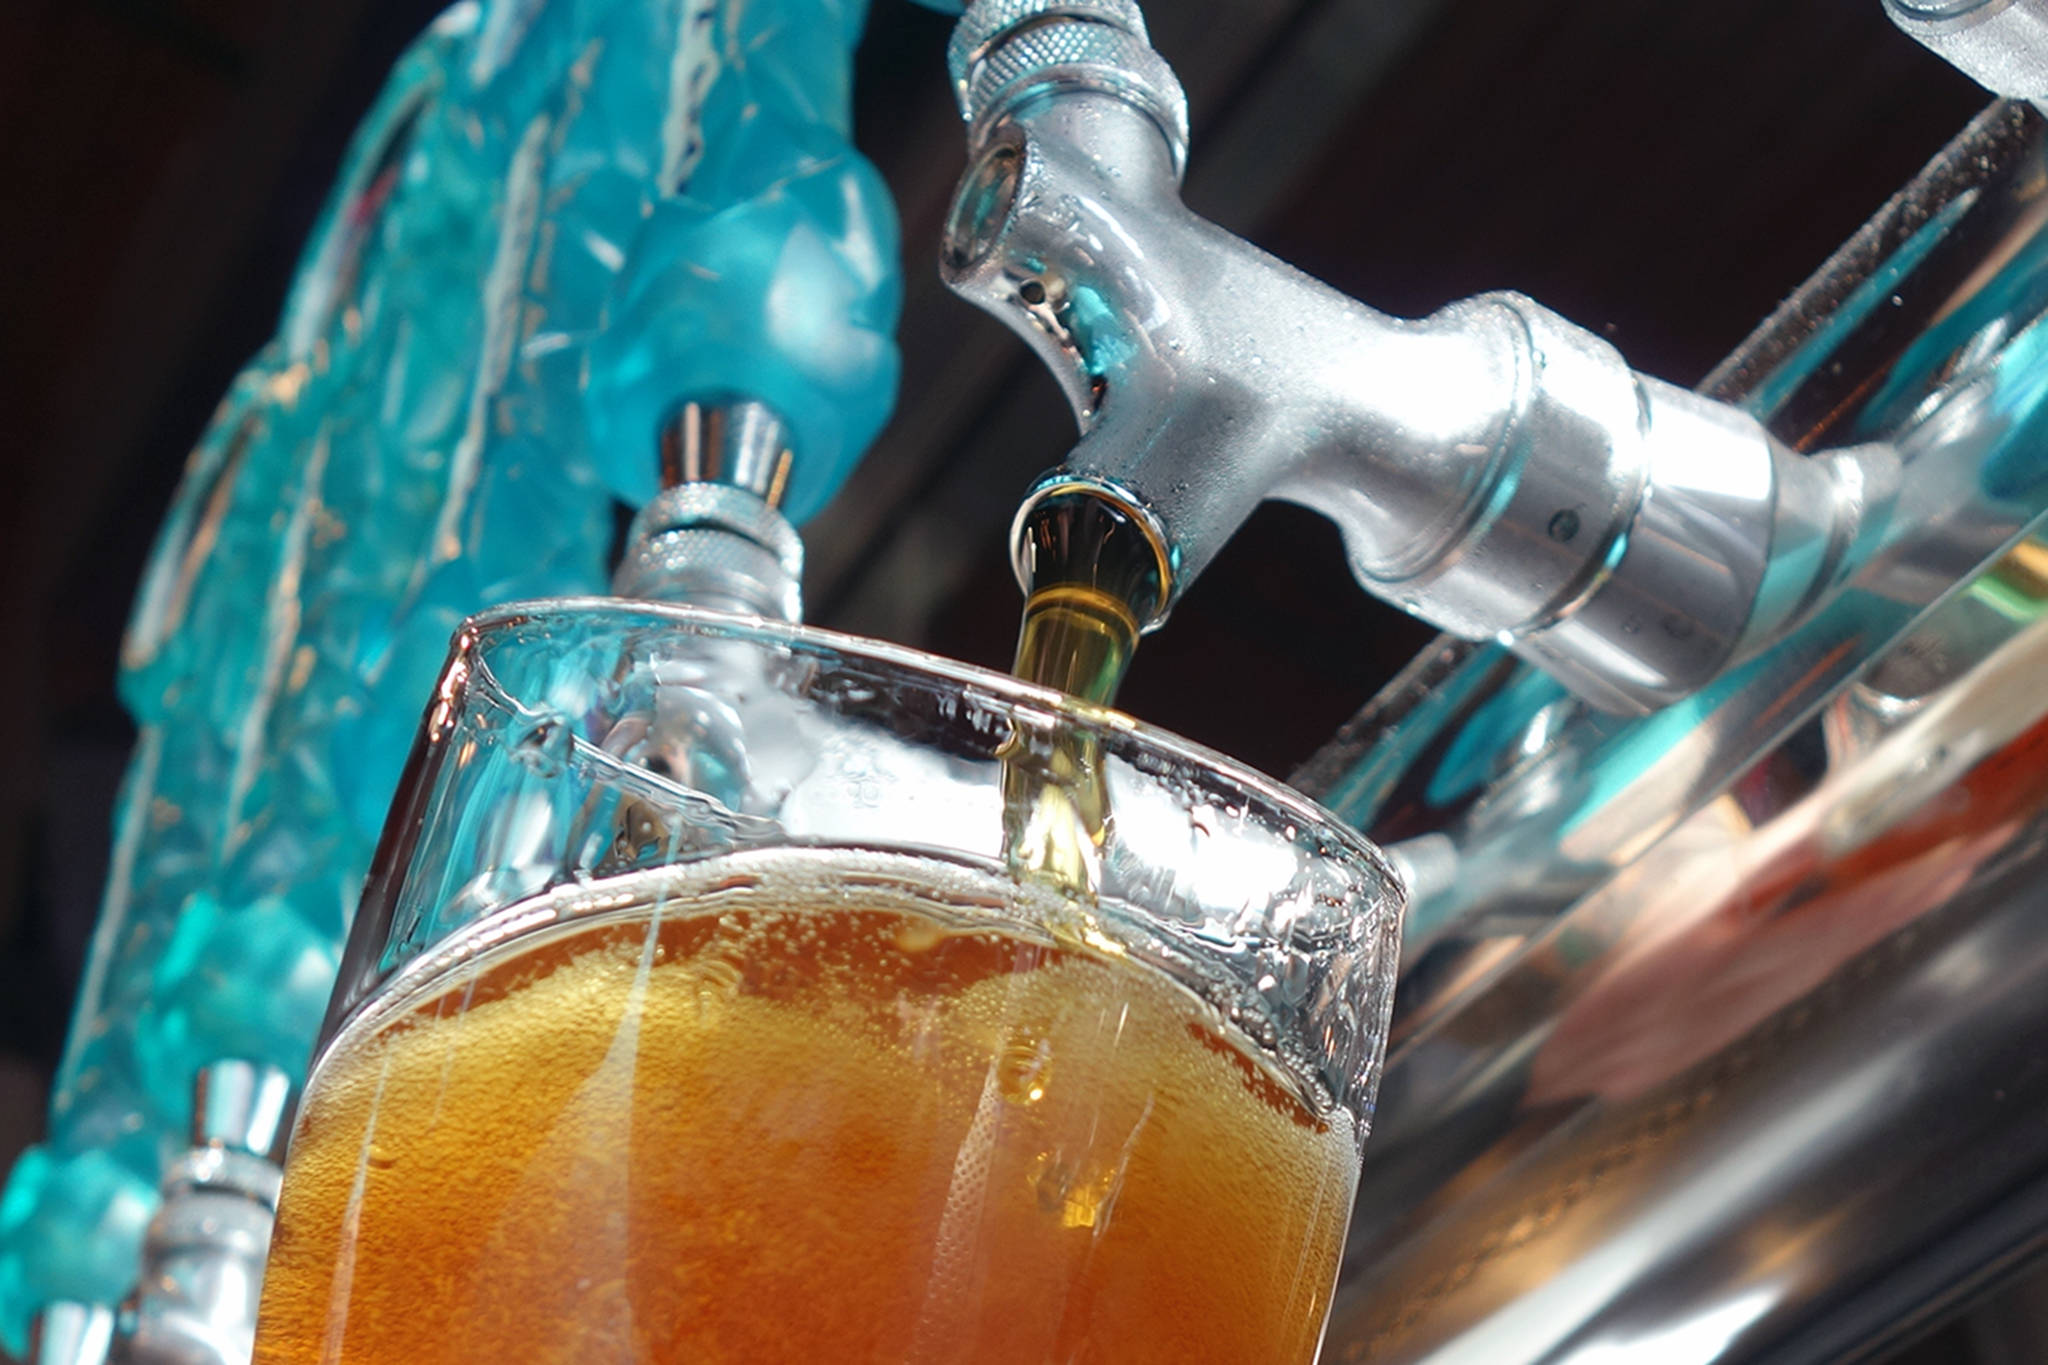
point(1096, 573)
point(1086, 533)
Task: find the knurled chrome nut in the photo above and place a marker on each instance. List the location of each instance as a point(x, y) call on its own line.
point(723, 507)
point(211, 1221)
point(1065, 51)
point(2000, 44)
point(986, 21)
point(710, 567)
point(223, 1168)
point(717, 545)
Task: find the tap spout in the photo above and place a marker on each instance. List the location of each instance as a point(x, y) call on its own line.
point(1493, 468)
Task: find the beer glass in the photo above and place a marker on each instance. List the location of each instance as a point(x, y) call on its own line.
point(701, 1008)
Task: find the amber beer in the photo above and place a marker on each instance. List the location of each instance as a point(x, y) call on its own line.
point(803, 1113)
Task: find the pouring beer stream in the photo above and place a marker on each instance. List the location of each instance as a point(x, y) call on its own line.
point(1092, 573)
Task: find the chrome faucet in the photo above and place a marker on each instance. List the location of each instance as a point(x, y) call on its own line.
point(1493, 468)
point(1717, 1037)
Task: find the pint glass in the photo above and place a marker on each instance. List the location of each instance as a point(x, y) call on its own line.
point(699, 1009)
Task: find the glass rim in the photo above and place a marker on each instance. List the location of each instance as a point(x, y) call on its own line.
point(1009, 689)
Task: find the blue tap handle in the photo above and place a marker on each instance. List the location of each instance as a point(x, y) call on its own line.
point(757, 250)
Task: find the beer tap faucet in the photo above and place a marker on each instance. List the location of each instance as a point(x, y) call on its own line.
point(1493, 468)
point(202, 1263)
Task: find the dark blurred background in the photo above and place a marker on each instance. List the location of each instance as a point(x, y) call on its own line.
point(1664, 172)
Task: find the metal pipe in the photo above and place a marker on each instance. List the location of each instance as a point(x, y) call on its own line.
point(1997, 43)
point(1793, 1110)
point(71, 1333)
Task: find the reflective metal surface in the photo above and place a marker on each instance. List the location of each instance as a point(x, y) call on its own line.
point(1776, 1092)
point(741, 442)
point(241, 1106)
point(713, 545)
point(1006, 53)
point(2001, 44)
point(1493, 468)
point(713, 536)
point(1719, 1034)
point(68, 1333)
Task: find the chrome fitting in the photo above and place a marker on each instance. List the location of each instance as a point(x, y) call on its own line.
point(717, 546)
point(2000, 44)
point(738, 442)
point(713, 537)
point(241, 1107)
point(68, 1333)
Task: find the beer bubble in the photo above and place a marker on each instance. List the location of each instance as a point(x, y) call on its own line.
point(1024, 1069)
point(916, 936)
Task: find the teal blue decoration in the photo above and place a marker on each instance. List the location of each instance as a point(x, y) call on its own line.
point(561, 219)
point(85, 1213)
point(200, 992)
point(772, 271)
